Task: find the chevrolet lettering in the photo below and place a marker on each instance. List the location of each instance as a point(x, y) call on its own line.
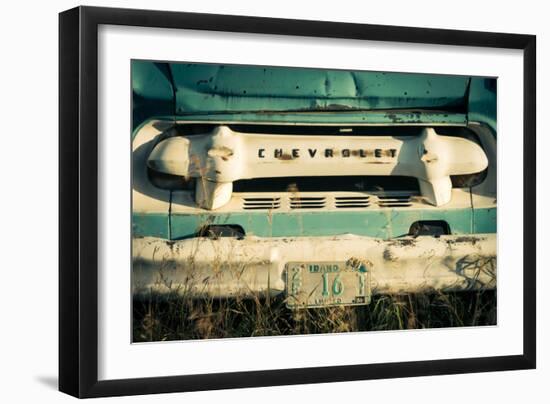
point(320, 187)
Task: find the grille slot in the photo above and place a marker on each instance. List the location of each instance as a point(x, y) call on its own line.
point(344, 202)
point(319, 201)
point(261, 203)
point(307, 202)
point(394, 201)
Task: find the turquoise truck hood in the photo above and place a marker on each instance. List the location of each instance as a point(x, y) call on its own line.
point(191, 91)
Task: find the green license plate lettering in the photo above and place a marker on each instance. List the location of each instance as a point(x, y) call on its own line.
point(325, 284)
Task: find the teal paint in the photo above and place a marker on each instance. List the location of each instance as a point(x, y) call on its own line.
point(485, 220)
point(459, 220)
point(384, 223)
point(203, 91)
point(152, 91)
point(341, 118)
point(213, 88)
point(150, 225)
point(482, 103)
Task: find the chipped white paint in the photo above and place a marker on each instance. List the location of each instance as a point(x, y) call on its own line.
point(224, 156)
point(228, 266)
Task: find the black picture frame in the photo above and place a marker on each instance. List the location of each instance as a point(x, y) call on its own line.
point(78, 196)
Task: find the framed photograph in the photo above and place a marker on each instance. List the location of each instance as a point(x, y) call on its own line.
point(251, 201)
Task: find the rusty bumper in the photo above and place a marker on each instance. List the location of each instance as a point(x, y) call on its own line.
point(255, 266)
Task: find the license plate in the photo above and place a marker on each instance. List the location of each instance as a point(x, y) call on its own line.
point(322, 284)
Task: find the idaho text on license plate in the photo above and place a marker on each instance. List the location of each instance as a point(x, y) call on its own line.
point(321, 284)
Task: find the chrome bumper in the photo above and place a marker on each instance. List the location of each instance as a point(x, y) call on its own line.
point(255, 266)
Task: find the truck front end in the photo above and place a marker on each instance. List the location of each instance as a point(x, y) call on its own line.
point(322, 187)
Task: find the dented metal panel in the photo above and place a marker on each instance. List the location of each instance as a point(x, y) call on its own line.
point(256, 266)
point(224, 88)
point(186, 91)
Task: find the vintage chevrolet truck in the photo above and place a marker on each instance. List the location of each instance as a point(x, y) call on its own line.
point(323, 186)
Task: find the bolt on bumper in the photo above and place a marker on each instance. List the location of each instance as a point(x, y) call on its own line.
point(255, 266)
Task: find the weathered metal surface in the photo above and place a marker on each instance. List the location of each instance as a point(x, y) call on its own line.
point(482, 101)
point(171, 258)
point(154, 208)
point(385, 223)
point(151, 205)
point(153, 92)
point(183, 91)
point(321, 284)
point(485, 194)
point(387, 117)
point(255, 266)
point(485, 220)
point(151, 224)
point(168, 91)
point(223, 156)
point(222, 88)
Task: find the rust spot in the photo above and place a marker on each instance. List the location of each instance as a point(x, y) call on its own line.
point(402, 242)
point(394, 118)
point(429, 157)
point(355, 152)
point(285, 156)
point(388, 256)
point(467, 239)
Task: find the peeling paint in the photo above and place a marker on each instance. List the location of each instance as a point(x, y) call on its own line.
point(255, 265)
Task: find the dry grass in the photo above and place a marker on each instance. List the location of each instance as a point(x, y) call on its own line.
point(173, 317)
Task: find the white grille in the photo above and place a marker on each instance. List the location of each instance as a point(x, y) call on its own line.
point(317, 200)
point(350, 202)
point(394, 201)
point(307, 202)
point(261, 203)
